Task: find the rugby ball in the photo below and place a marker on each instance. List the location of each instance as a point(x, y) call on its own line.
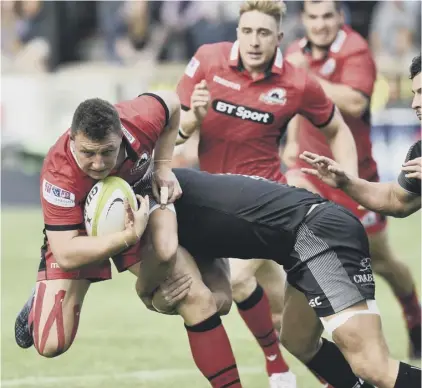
point(104, 211)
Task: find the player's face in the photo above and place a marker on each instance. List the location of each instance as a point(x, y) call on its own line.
point(322, 22)
point(417, 99)
point(96, 158)
point(259, 36)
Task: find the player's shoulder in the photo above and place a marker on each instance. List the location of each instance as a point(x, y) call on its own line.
point(59, 171)
point(348, 43)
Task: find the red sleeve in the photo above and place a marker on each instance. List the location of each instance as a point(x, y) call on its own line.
point(60, 205)
point(194, 73)
point(359, 72)
point(316, 106)
point(143, 119)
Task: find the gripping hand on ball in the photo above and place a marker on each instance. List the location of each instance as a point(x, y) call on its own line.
point(136, 221)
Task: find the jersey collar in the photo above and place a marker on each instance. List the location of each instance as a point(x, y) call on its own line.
point(335, 47)
point(236, 62)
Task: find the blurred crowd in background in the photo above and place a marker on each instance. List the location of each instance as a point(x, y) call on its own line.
point(41, 36)
point(48, 47)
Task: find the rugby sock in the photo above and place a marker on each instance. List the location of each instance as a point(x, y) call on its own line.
point(213, 354)
point(408, 377)
point(256, 313)
point(330, 364)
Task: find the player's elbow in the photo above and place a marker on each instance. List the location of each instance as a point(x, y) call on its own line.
point(357, 105)
point(65, 263)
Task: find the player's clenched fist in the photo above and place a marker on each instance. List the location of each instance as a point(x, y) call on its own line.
point(200, 100)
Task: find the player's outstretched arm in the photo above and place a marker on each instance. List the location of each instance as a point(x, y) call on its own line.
point(73, 251)
point(385, 198)
point(342, 143)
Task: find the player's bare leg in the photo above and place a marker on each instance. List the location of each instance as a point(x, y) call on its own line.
point(272, 278)
point(210, 346)
point(301, 331)
point(254, 308)
point(384, 263)
point(398, 276)
point(216, 276)
point(54, 314)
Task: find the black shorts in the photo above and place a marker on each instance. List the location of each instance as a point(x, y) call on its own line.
point(332, 262)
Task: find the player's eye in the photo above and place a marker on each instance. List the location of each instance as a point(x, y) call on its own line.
point(107, 153)
point(88, 153)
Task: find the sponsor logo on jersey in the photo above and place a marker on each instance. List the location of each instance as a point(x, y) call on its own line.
point(127, 134)
point(366, 265)
point(274, 96)
point(192, 67)
point(243, 112)
point(328, 67)
point(57, 196)
point(365, 277)
point(369, 219)
point(141, 164)
point(226, 83)
point(315, 302)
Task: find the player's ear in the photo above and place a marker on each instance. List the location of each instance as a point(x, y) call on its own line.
point(280, 37)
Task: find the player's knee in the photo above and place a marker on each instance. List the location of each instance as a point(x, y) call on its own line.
point(199, 295)
point(365, 366)
point(242, 286)
point(165, 247)
point(51, 349)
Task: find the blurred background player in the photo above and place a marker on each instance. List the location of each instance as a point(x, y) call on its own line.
point(398, 199)
point(241, 97)
point(340, 60)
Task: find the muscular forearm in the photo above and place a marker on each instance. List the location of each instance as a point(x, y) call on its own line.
point(165, 145)
point(83, 251)
point(378, 197)
point(349, 101)
point(343, 147)
point(188, 124)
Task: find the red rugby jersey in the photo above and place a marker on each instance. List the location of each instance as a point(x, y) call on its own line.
point(64, 186)
point(348, 62)
point(247, 117)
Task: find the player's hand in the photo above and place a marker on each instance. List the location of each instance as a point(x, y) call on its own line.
point(200, 100)
point(170, 293)
point(326, 169)
point(413, 168)
point(165, 186)
point(298, 60)
point(136, 221)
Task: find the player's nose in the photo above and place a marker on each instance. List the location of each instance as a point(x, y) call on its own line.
point(98, 164)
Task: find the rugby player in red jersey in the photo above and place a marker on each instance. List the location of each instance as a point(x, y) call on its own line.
point(241, 96)
point(106, 140)
point(340, 60)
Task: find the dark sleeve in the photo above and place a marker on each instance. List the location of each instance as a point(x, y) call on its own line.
point(412, 185)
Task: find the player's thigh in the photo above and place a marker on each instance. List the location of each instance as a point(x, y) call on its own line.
point(301, 328)
point(55, 314)
point(216, 276)
point(243, 270)
point(272, 278)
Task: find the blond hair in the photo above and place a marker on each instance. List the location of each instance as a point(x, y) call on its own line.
point(274, 8)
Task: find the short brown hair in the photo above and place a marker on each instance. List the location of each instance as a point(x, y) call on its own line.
point(274, 8)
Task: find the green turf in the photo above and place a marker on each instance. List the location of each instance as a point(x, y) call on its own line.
point(118, 336)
